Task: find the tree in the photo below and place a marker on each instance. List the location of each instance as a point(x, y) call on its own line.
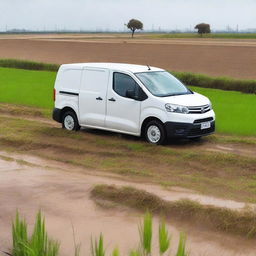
point(203, 28)
point(134, 24)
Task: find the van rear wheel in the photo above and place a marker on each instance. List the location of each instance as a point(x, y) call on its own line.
point(155, 133)
point(70, 122)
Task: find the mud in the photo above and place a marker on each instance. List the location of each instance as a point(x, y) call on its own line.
point(63, 196)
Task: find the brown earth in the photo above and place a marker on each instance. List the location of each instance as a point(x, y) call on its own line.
point(65, 201)
point(227, 57)
point(29, 182)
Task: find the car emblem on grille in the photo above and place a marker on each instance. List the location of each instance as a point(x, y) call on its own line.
point(202, 110)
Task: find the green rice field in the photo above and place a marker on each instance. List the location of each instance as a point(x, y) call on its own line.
point(235, 111)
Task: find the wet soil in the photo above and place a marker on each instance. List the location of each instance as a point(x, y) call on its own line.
point(64, 198)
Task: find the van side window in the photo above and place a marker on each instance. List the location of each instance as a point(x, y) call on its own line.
point(122, 83)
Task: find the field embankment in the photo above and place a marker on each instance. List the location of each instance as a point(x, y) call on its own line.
point(241, 222)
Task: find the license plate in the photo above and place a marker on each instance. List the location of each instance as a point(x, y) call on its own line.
point(205, 125)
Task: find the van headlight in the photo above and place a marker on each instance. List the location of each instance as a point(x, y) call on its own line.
point(176, 108)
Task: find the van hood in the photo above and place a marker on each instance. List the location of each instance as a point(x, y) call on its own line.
point(188, 100)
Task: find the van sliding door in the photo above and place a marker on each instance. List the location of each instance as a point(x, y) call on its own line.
point(92, 97)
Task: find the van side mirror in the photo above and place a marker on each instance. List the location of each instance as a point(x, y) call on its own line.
point(131, 94)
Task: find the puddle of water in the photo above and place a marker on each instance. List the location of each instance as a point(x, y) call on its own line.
point(8, 165)
point(172, 194)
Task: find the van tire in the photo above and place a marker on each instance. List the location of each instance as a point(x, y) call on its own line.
point(70, 122)
point(155, 132)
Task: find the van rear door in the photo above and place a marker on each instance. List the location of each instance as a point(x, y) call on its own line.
point(92, 97)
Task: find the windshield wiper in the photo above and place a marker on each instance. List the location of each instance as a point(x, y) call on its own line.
point(174, 94)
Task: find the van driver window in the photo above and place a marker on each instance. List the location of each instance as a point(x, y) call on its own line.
point(122, 83)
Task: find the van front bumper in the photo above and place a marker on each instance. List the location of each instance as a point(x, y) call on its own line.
point(188, 130)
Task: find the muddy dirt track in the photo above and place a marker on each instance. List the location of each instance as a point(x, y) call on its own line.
point(64, 198)
point(234, 58)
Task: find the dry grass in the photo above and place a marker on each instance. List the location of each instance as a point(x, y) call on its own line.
point(222, 219)
point(21, 110)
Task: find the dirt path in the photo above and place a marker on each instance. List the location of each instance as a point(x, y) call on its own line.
point(233, 148)
point(234, 58)
point(64, 198)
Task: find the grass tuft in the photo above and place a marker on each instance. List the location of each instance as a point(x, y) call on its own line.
point(164, 238)
point(146, 233)
point(97, 247)
point(38, 244)
point(181, 248)
point(115, 252)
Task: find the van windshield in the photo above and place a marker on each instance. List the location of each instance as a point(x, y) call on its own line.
point(162, 83)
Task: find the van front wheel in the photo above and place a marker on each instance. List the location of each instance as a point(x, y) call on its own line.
point(155, 133)
point(70, 122)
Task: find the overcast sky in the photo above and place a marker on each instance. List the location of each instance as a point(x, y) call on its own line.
point(112, 14)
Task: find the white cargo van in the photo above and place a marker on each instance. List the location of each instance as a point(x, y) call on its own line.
point(131, 99)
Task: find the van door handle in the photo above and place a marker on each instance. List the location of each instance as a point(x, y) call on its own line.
point(112, 99)
point(99, 98)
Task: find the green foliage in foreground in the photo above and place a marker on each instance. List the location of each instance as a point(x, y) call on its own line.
point(146, 234)
point(40, 245)
point(164, 238)
point(234, 110)
point(37, 245)
point(97, 247)
point(145, 245)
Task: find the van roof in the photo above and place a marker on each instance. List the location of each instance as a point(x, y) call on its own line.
point(113, 66)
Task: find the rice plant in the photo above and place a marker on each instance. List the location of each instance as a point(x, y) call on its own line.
point(164, 238)
point(115, 252)
point(38, 244)
point(97, 247)
point(146, 233)
point(19, 236)
point(135, 253)
point(181, 247)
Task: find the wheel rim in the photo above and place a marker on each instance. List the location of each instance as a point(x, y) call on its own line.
point(69, 122)
point(154, 134)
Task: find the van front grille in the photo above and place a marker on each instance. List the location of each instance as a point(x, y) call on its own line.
point(199, 109)
point(198, 121)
